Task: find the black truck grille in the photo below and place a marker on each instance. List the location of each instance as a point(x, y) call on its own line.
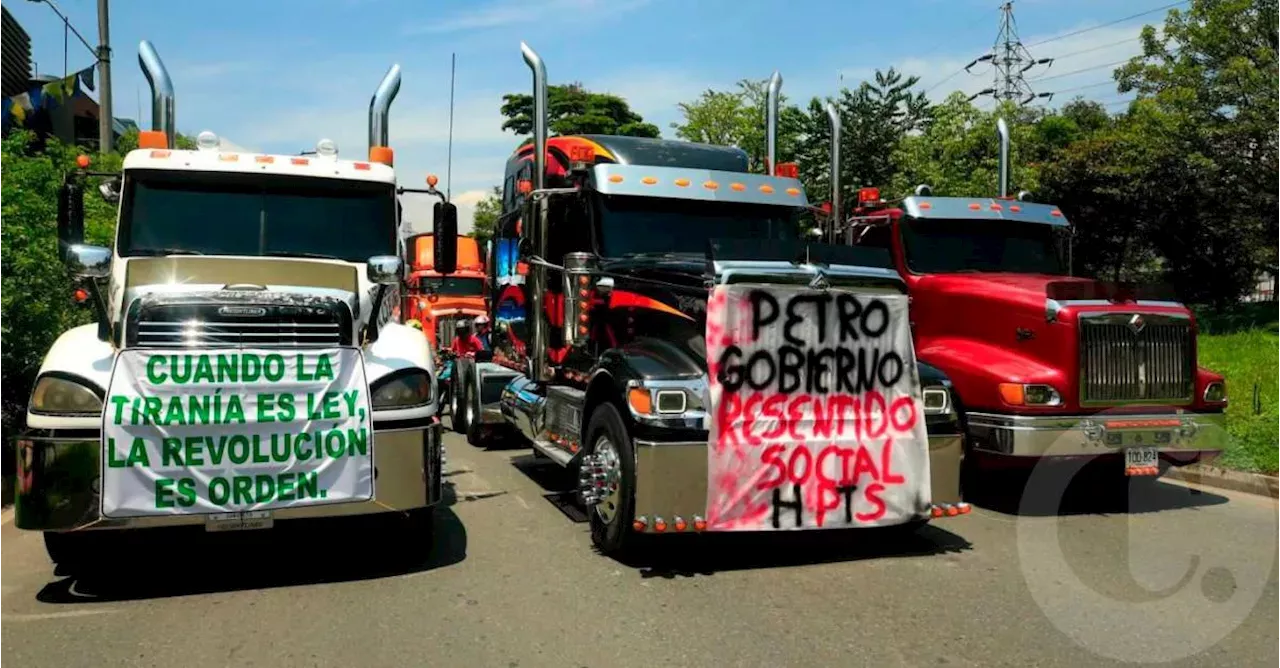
point(263, 320)
point(1128, 357)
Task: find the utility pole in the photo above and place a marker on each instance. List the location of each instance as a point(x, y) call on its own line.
point(106, 131)
point(1010, 62)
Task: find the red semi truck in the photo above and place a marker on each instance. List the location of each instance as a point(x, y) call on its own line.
point(1043, 363)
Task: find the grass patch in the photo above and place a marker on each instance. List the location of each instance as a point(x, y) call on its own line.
point(1247, 358)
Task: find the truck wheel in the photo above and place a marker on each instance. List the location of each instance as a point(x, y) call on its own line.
point(459, 391)
point(474, 428)
point(72, 550)
point(611, 518)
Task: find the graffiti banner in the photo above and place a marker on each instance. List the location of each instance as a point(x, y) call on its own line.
point(816, 414)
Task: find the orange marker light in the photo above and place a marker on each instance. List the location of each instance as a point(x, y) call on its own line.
point(681, 525)
point(794, 192)
point(1012, 394)
point(711, 185)
point(159, 154)
point(648, 180)
point(299, 161)
point(82, 161)
point(699, 524)
point(935, 511)
point(996, 207)
point(615, 178)
point(766, 189)
point(639, 524)
point(229, 157)
point(926, 205)
point(1015, 208)
point(640, 400)
point(264, 159)
point(659, 525)
point(737, 187)
point(683, 183)
point(1055, 213)
point(432, 180)
point(362, 166)
point(975, 206)
point(952, 511)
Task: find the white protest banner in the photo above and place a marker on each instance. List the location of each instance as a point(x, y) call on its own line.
point(232, 430)
point(816, 414)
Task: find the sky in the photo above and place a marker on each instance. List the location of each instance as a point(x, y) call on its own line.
point(278, 75)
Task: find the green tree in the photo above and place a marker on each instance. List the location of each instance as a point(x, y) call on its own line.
point(485, 218)
point(571, 109)
point(738, 118)
point(875, 118)
point(1208, 90)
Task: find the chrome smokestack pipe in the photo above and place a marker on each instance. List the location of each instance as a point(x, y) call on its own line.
point(771, 123)
point(380, 108)
point(162, 98)
point(539, 113)
point(1002, 130)
point(536, 213)
point(833, 115)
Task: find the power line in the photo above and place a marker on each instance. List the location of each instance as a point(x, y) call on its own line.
point(1010, 62)
point(1092, 85)
point(1105, 25)
point(1085, 69)
point(949, 77)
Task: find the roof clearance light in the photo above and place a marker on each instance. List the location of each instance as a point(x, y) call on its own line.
point(582, 154)
point(432, 180)
point(207, 141)
point(868, 195)
point(788, 170)
point(327, 148)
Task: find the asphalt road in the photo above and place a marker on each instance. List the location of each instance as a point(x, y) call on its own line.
point(1169, 573)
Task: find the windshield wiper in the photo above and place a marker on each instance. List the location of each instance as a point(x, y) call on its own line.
point(160, 252)
point(284, 253)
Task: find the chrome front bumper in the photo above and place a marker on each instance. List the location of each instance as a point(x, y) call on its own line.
point(58, 482)
point(1181, 438)
point(671, 477)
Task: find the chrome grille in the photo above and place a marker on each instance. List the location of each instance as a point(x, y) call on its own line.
point(238, 319)
point(1127, 357)
point(196, 333)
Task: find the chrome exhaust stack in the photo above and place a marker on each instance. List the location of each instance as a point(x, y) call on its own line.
point(380, 114)
point(538, 275)
point(833, 115)
point(771, 123)
point(1002, 130)
point(162, 97)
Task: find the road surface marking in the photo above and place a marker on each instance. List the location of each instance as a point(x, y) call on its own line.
point(523, 503)
point(43, 616)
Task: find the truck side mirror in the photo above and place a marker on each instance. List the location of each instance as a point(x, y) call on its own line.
point(70, 216)
point(88, 261)
point(445, 237)
point(384, 269)
point(110, 190)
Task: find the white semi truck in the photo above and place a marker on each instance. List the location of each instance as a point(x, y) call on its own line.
point(248, 364)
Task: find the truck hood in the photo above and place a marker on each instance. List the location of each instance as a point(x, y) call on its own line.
point(1038, 290)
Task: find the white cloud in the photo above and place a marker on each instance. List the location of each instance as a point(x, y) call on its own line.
point(510, 12)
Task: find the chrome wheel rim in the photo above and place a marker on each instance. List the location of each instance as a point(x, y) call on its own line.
point(607, 509)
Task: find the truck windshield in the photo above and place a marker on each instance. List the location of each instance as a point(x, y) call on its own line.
point(655, 225)
point(211, 213)
point(452, 286)
point(953, 246)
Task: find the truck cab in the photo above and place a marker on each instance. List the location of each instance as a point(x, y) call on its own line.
point(235, 279)
point(437, 301)
point(1044, 364)
point(609, 260)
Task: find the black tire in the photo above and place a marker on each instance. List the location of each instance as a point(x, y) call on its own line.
point(73, 550)
point(475, 431)
point(459, 392)
point(616, 536)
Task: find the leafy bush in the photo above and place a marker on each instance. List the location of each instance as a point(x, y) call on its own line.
point(36, 290)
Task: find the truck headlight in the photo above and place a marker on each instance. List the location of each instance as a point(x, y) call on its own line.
point(1030, 394)
point(1215, 392)
point(402, 390)
point(59, 395)
point(937, 400)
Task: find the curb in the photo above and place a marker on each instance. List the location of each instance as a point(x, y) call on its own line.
point(1238, 481)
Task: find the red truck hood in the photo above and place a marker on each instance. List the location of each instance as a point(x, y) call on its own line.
point(1038, 287)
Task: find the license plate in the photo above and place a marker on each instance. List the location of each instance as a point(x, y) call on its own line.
point(1141, 461)
point(258, 519)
